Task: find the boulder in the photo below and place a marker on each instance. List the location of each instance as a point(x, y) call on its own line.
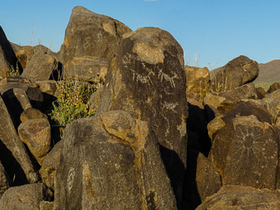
point(111, 162)
point(245, 151)
point(235, 73)
point(198, 80)
point(261, 92)
point(272, 104)
point(242, 109)
point(14, 156)
point(86, 68)
point(8, 59)
point(147, 79)
point(31, 113)
point(24, 55)
point(50, 165)
point(16, 101)
point(4, 180)
point(40, 67)
point(202, 180)
point(36, 134)
point(24, 197)
point(207, 178)
point(273, 87)
point(225, 101)
point(47, 86)
point(91, 34)
point(242, 197)
point(35, 96)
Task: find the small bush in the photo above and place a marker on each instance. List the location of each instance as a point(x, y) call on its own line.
point(72, 101)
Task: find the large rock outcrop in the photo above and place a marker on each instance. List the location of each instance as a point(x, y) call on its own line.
point(147, 79)
point(91, 34)
point(111, 162)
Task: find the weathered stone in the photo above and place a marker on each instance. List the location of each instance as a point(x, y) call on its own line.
point(24, 55)
point(147, 79)
point(14, 82)
point(47, 86)
point(111, 162)
point(235, 73)
point(8, 59)
point(24, 197)
point(35, 96)
point(50, 165)
point(214, 126)
point(16, 101)
point(261, 92)
point(40, 67)
point(273, 87)
point(198, 80)
point(13, 153)
point(246, 109)
point(272, 104)
point(91, 34)
point(241, 197)
point(202, 179)
point(242, 109)
point(36, 134)
point(46, 205)
point(207, 178)
point(86, 68)
point(4, 180)
point(31, 113)
point(245, 151)
point(225, 101)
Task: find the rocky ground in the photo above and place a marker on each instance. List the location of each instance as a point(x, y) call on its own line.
point(164, 135)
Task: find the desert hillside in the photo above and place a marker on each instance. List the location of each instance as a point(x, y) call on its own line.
point(269, 73)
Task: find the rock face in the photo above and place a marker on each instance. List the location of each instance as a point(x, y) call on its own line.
point(245, 151)
point(91, 34)
point(147, 79)
point(115, 164)
point(240, 197)
point(235, 73)
point(86, 68)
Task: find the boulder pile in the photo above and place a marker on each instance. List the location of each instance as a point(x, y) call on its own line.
point(162, 135)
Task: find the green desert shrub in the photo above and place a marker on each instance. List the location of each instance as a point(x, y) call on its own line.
point(72, 101)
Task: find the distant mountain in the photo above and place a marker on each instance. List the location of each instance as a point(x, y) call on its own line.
point(269, 73)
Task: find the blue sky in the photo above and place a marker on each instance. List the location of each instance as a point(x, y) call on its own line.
point(212, 31)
